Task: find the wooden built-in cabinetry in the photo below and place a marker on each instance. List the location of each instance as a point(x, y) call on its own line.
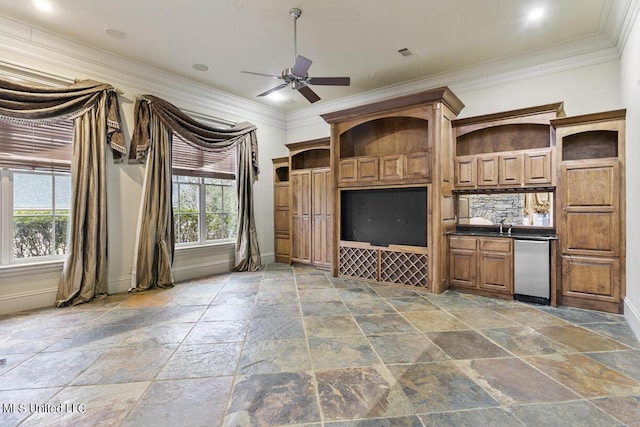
point(591, 214)
point(509, 150)
point(483, 264)
point(385, 151)
point(416, 142)
point(311, 202)
point(529, 168)
point(399, 143)
point(281, 200)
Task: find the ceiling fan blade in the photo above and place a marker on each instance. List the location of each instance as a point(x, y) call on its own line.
point(301, 66)
point(281, 86)
point(330, 81)
point(262, 74)
point(309, 94)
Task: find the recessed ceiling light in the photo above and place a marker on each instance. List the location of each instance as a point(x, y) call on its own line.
point(200, 67)
point(43, 5)
point(116, 34)
point(536, 14)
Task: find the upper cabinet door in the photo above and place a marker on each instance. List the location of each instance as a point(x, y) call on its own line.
point(510, 170)
point(391, 167)
point(465, 172)
point(487, 170)
point(417, 165)
point(537, 167)
point(367, 169)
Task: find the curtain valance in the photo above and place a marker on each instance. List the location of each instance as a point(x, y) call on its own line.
point(33, 104)
point(94, 109)
point(196, 133)
point(156, 121)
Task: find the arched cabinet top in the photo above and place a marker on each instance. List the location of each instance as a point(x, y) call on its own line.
point(309, 154)
point(385, 136)
point(361, 113)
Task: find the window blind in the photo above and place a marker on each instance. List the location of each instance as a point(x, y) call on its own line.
point(47, 145)
point(192, 161)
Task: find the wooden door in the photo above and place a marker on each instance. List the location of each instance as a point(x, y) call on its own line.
point(488, 171)
point(510, 170)
point(463, 265)
point(281, 206)
point(347, 170)
point(367, 169)
point(322, 207)
point(537, 167)
point(391, 167)
point(590, 212)
point(465, 172)
point(417, 165)
point(496, 272)
point(281, 221)
point(591, 278)
point(496, 265)
point(301, 216)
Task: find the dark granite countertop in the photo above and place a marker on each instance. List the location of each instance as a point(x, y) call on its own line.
point(516, 233)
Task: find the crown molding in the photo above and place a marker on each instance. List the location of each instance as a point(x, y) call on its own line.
point(590, 51)
point(26, 50)
point(627, 17)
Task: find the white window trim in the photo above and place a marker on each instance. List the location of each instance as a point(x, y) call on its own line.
point(202, 232)
point(31, 268)
point(7, 262)
point(185, 248)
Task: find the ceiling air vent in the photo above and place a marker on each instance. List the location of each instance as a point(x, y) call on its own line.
point(406, 53)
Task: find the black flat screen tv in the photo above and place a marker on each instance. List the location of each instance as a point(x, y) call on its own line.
point(384, 216)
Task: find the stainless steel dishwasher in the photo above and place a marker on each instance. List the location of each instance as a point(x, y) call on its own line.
point(531, 271)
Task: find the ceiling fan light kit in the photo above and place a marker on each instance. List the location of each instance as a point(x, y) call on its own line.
point(297, 76)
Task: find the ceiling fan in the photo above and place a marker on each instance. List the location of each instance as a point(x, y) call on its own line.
point(297, 76)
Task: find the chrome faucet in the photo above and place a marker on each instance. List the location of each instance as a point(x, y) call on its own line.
point(502, 224)
point(509, 230)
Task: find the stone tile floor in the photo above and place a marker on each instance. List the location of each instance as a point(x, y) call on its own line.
point(294, 346)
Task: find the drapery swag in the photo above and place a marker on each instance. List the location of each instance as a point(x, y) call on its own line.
point(94, 108)
point(156, 120)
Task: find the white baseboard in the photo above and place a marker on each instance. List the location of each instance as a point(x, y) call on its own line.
point(14, 303)
point(268, 258)
point(195, 271)
point(632, 314)
point(46, 297)
point(121, 284)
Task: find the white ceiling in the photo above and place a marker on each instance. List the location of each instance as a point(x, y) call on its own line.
point(356, 38)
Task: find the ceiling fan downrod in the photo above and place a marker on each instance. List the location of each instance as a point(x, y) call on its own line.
point(295, 14)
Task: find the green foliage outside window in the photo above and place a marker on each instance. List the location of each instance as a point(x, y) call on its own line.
point(33, 233)
point(220, 216)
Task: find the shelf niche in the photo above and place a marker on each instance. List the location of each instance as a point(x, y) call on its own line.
point(311, 159)
point(513, 137)
point(385, 136)
point(597, 144)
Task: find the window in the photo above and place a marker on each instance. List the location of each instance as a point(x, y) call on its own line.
point(35, 191)
point(205, 207)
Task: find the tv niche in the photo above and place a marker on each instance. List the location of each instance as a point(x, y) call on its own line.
point(383, 217)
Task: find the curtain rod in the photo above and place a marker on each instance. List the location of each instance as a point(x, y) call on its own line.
point(29, 74)
point(32, 76)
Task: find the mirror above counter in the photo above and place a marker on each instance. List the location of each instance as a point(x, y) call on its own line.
point(522, 209)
